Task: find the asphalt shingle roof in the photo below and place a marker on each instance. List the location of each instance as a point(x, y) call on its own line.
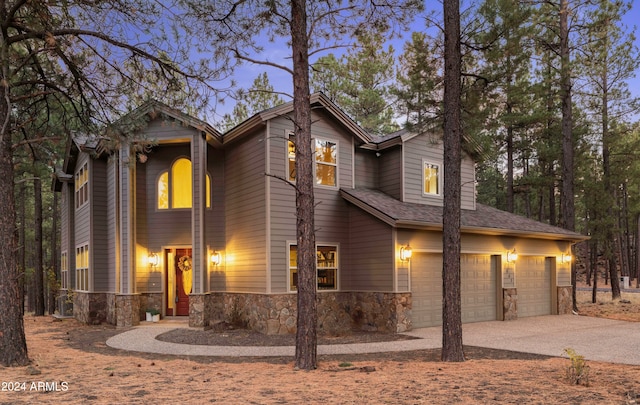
point(483, 219)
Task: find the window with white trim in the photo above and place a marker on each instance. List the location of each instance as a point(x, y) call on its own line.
point(326, 267)
point(291, 158)
point(82, 268)
point(64, 270)
point(82, 186)
point(325, 162)
point(431, 178)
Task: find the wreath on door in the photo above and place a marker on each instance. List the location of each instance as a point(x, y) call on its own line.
point(186, 265)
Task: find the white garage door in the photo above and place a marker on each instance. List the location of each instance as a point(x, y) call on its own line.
point(426, 290)
point(478, 289)
point(533, 281)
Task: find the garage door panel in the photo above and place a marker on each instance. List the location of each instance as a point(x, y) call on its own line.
point(478, 289)
point(533, 278)
point(426, 286)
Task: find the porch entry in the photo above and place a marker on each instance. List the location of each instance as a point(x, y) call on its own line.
point(179, 281)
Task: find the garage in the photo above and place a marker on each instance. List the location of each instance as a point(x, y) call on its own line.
point(478, 289)
point(426, 290)
point(533, 280)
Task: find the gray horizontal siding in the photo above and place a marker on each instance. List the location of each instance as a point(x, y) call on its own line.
point(112, 228)
point(429, 148)
point(371, 256)
point(99, 246)
point(245, 207)
point(366, 169)
point(331, 214)
point(391, 172)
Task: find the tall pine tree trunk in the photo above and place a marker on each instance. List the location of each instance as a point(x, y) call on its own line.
point(306, 333)
point(13, 345)
point(38, 273)
point(22, 260)
point(609, 193)
point(452, 349)
point(55, 266)
point(567, 202)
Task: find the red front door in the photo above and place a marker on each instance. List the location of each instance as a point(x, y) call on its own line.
point(183, 281)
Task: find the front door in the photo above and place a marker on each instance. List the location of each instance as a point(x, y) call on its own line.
point(179, 281)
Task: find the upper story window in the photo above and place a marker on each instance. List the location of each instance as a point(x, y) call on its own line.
point(431, 176)
point(175, 186)
point(291, 158)
point(326, 267)
point(82, 186)
point(325, 162)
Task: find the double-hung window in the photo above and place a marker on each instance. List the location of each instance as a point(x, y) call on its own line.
point(82, 186)
point(82, 268)
point(431, 178)
point(325, 161)
point(326, 267)
point(64, 270)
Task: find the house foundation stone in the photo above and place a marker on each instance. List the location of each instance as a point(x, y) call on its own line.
point(338, 312)
point(510, 304)
point(199, 310)
point(127, 310)
point(565, 300)
point(90, 308)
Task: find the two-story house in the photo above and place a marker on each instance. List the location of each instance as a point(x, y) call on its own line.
point(178, 217)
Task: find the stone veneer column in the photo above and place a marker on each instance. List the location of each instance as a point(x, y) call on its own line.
point(565, 300)
point(127, 310)
point(510, 304)
point(199, 311)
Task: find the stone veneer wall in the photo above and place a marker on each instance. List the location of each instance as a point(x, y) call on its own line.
point(565, 300)
point(338, 312)
point(127, 310)
point(199, 310)
point(510, 304)
point(90, 308)
point(112, 317)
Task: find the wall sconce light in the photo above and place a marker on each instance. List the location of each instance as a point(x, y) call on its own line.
point(512, 256)
point(216, 258)
point(153, 259)
point(565, 258)
point(405, 253)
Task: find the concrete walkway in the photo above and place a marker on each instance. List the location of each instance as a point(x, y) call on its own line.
point(595, 338)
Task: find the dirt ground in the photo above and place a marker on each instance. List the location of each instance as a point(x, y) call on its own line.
point(72, 364)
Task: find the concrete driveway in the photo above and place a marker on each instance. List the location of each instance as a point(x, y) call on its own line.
point(596, 339)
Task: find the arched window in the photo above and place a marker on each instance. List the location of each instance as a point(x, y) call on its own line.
point(175, 187)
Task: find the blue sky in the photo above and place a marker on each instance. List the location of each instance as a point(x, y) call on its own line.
point(279, 53)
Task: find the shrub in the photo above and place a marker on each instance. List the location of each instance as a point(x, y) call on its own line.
point(578, 370)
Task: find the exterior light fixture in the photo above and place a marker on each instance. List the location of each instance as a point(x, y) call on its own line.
point(405, 253)
point(153, 259)
point(216, 258)
point(512, 256)
point(565, 258)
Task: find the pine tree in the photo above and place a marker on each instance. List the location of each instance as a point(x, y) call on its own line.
point(359, 82)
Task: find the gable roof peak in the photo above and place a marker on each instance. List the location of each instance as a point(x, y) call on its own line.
point(316, 100)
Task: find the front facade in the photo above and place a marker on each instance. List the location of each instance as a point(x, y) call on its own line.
point(182, 219)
